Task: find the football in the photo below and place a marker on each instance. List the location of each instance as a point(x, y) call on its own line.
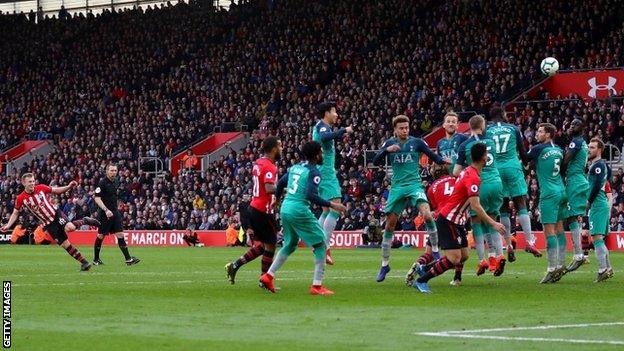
point(549, 66)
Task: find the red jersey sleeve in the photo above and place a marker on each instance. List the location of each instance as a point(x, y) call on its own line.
point(41, 187)
point(270, 174)
point(472, 184)
point(19, 201)
point(608, 188)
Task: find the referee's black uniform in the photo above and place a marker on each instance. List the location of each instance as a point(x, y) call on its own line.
point(107, 192)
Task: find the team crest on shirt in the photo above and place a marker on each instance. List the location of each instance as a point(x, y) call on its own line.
point(322, 129)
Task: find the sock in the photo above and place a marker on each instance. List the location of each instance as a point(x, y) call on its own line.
point(458, 271)
point(553, 252)
point(575, 230)
point(477, 233)
point(525, 223)
point(321, 219)
point(561, 242)
point(602, 255)
point(385, 248)
point(267, 259)
point(250, 255)
point(78, 223)
point(73, 252)
point(495, 239)
point(506, 221)
point(429, 265)
point(123, 247)
point(278, 262)
point(441, 266)
point(97, 247)
point(425, 258)
point(330, 225)
point(319, 264)
point(433, 235)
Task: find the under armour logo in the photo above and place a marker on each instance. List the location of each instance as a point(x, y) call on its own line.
point(610, 86)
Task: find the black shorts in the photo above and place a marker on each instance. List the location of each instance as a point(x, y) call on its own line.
point(451, 236)
point(111, 225)
point(57, 227)
point(264, 226)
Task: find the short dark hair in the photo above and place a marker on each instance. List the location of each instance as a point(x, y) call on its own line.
point(496, 113)
point(399, 119)
point(478, 151)
point(598, 142)
point(310, 150)
point(476, 121)
point(269, 143)
point(324, 107)
point(549, 128)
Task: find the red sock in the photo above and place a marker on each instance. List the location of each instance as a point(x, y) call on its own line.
point(425, 258)
point(73, 252)
point(267, 259)
point(250, 255)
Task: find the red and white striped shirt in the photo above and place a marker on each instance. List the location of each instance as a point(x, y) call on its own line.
point(38, 203)
point(466, 186)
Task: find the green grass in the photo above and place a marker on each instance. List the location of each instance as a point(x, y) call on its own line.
point(179, 299)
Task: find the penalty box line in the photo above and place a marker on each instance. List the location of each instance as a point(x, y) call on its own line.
point(472, 334)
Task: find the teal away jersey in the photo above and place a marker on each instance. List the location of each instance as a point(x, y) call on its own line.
point(548, 158)
point(506, 139)
point(489, 172)
point(323, 133)
point(405, 162)
point(576, 167)
point(599, 175)
point(447, 148)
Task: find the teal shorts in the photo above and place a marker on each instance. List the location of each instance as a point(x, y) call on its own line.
point(329, 188)
point(301, 224)
point(490, 197)
point(401, 196)
point(553, 208)
point(599, 220)
point(514, 184)
point(577, 192)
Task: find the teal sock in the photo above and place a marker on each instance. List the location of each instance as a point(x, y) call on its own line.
point(385, 248)
point(330, 225)
point(575, 233)
point(602, 254)
point(561, 243)
point(477, 234)
point(432, 231)
point(321, 219)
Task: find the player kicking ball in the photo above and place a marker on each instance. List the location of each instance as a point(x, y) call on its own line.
point(451, 218)
point(301, 184)
point(36, 199)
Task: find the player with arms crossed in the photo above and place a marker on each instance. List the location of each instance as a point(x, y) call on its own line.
point(438, 193)
point(301, 183)
point(599, 207)
point(112, 221)
point(548, 158)
point(447, 147)
point(509, 150)
point(451, 218)
point(404, 151)
point(577, 189)
point(36, 199)
point(263, 221)
point(329, 188)
point(490, 197)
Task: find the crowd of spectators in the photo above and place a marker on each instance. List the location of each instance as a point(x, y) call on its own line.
point(137, 83)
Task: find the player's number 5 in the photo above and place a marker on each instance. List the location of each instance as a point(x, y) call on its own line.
point(556, 167)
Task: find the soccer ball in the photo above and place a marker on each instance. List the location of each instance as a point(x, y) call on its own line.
point(549, 66)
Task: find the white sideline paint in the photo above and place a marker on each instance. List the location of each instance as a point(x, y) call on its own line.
point(470, 334)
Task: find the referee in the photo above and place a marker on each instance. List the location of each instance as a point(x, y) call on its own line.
point(109, 216)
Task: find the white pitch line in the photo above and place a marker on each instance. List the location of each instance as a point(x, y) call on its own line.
point(541, 327)
point(520, 338)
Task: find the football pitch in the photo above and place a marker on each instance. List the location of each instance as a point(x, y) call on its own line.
point(180, 299)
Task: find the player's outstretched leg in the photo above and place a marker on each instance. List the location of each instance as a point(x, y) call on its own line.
point(385, 255)
point(232, 267)
point(525, 223)
point(561, 257)
point(73, 252)
point(506, 221)
point(552, 253)
point(477, 234)
point(418, 266)
point(317, 287)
